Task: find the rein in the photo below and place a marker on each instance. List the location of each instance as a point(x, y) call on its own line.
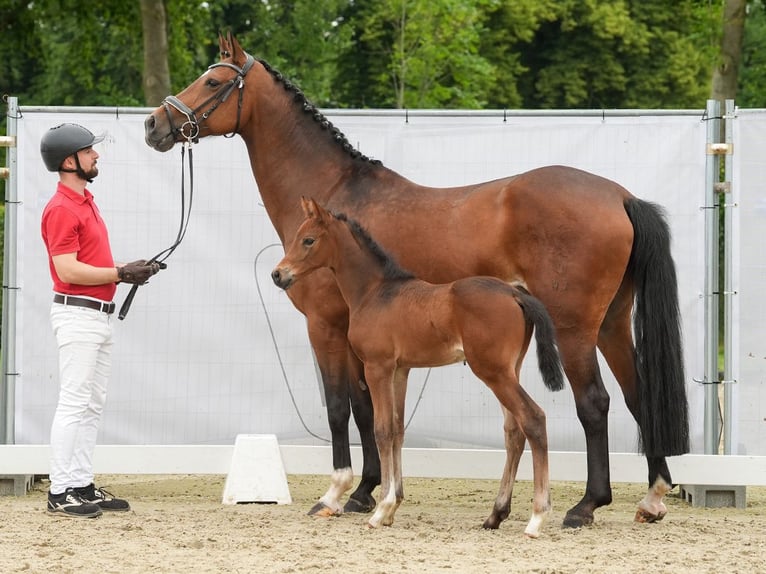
point(184, 224)
point(189, 131)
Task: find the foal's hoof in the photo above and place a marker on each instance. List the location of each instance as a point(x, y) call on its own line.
point(321, 510)
point(644, 516)
point(354, 505)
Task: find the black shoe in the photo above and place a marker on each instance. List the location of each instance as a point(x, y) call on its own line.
point(69, 503)
point(103, 499)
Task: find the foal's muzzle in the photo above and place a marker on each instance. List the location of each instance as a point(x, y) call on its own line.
point(283, 279)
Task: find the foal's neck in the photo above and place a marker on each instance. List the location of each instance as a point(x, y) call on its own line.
point(357, 270)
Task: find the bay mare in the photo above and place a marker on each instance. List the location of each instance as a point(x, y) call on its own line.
point(594, 254)
point(398, 322)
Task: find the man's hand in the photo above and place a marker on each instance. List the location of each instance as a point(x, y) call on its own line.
point(137, 272)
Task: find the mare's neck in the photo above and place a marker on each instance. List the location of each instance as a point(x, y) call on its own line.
point(290, 154)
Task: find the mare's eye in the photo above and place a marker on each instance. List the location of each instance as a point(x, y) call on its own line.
point(308, 241)
point(212, 83)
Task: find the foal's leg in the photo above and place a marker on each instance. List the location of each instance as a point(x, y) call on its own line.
point(530, 418)
point(514, 447)
point(380, 379)
point(616, 344)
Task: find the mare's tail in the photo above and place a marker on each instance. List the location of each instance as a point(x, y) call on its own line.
point(663, 417)
point(548, 358)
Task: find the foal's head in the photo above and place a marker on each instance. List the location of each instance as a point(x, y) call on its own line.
point(311, 248)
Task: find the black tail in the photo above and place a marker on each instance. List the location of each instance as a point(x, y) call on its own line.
point(662, 405)
point(548, 358)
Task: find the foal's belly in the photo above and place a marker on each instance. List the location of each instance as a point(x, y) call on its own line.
point(425, 356)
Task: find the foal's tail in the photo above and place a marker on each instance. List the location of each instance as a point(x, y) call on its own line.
point(548, 358)
point(662, 405)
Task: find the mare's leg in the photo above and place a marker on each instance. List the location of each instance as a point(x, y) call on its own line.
point(341, 376)
point(616, 344)
point(381, 380)
point(361, 500)
point(514, 447)
point(338, 414)
point(592, 403)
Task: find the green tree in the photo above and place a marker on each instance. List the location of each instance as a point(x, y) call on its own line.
point(420, 54)
point(300, 38)
point(752, 73)
point(90, 57)
point(615, 54)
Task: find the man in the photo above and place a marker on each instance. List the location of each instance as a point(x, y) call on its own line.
point(84, 282)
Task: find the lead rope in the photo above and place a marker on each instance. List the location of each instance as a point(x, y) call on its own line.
point(185, 215)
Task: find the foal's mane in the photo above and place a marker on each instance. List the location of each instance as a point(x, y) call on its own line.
point(308, 108)
point(391, 269)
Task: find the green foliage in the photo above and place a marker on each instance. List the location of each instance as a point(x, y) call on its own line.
point(751, 92)
point(392, 53)
point(89, 56)
point(311, 62)
point(419, 54)
point(617, 54)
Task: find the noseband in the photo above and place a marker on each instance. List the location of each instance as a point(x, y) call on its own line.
point(189, 130)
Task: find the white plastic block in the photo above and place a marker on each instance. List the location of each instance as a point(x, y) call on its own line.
point(256, 473)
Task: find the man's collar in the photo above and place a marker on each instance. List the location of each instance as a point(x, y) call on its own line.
point(73, 195)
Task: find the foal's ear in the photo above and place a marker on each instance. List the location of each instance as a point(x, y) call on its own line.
point(310, 207)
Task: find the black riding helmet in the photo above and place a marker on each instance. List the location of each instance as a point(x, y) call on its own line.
point(61, 141)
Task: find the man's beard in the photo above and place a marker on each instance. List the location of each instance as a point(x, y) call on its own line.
point(91, 173)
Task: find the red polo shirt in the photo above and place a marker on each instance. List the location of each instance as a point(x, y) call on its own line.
point(71, 223)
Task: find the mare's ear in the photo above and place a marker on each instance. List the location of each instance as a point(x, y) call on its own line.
point(224, 46)
point(237, 53)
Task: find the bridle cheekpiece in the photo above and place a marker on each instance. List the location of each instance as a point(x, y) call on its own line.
point(189, 130)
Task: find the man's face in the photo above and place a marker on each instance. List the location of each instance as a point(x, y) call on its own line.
point(88, 158)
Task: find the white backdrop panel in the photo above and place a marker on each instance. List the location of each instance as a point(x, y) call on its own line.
point(749, 269)
point(212, 349)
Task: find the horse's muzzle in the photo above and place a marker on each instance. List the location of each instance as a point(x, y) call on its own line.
point(156, 134)
point(282, 279)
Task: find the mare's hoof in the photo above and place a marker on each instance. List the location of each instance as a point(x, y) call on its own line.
point(321, 510)
point(491, 524)
point(353, 505)
point(574, 520)
point(644, 516)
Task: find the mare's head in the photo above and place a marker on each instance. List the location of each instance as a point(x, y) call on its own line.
point(211, 105)
point(312, 247)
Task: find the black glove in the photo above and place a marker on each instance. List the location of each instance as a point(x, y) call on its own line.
point(137, 272)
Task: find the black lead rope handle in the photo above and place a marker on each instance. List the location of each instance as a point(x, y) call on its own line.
point(128, 302)
point(132, 293)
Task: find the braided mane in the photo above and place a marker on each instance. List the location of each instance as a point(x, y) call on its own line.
point(309, 108)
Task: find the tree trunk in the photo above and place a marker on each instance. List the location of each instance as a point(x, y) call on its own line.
point(156, 77)
point(726, 73)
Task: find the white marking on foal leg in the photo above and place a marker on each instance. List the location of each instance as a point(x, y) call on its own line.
point(341, 481)
point(651, 508)
point(535, 523)
point(384, 513)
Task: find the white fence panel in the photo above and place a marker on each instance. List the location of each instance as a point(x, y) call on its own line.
point(212, 349)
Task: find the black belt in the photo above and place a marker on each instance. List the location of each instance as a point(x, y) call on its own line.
point(107, 308)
